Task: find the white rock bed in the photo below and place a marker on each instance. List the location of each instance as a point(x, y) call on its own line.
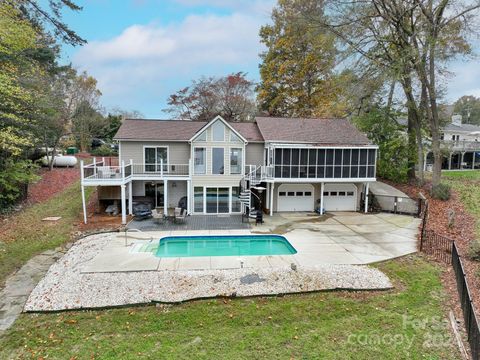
point(65, 287)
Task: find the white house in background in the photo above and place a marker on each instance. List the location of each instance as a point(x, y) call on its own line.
point(461, 143)
point(220, 166)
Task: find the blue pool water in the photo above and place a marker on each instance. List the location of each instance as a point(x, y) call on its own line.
point(224, 245)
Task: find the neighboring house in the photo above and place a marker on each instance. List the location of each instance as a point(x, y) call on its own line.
point(291, 164)
point(461, 145)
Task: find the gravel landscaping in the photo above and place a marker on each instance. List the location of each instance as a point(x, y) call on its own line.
point(65, 287)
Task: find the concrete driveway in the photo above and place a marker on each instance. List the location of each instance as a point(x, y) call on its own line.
point(346, 238)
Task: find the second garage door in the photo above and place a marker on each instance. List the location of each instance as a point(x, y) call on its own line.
point(340, 197)
point(295, 197)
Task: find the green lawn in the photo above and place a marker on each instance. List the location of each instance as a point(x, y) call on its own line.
point(467, 185)
point(29, 235)
point(329, 325)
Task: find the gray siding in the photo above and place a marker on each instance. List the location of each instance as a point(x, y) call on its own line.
point(178, 152)
point(254, 154)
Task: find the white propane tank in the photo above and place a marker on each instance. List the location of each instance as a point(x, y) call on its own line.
point(61, 161)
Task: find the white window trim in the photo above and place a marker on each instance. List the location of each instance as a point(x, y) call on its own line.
point(205, 158)
point(224, 131)
point(155, 147)
point(211, 161)
point(230, 159)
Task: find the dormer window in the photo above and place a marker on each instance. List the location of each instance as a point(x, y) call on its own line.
point(218, 131)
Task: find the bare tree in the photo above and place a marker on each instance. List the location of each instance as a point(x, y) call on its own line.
point(410, 40)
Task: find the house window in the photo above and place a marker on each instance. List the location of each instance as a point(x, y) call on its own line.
point(154, 157)
point(218, 131)
point(234, 137)
point(235, 161)
point(199, 160)
point(218, 161)
point(202, 136)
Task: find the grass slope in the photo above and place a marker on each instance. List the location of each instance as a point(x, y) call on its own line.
point(329, 325)
point(467, 185)
point(26, 235)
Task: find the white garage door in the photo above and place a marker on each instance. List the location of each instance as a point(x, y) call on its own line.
point(340, 197)
point(295, 197)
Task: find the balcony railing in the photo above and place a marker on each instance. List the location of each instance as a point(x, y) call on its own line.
point(461, 145)
point(103, 171)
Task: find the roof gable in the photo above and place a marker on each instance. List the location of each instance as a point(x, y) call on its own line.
point(213, 121)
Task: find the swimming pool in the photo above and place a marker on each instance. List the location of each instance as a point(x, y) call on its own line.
point(224, 245)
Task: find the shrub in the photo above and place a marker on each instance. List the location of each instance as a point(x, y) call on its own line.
point(441, 192)
point(474, 250)
point(104, 150)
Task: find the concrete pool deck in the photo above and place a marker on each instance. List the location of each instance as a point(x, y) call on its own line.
point(341, 238)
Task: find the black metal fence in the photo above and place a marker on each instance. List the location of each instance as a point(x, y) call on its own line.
point(445, 250)
point(395, 204)
point(469, 315)
point(436, 245)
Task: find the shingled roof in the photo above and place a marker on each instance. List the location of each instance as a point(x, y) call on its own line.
point(289, 130)
point(313, 131)
point(173, 130)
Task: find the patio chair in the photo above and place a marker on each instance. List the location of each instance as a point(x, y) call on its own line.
point(179, 215)
point(158, 217)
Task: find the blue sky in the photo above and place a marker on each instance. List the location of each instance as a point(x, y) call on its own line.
point(143, 50)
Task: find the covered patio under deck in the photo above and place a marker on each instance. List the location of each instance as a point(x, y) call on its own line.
point(99, 174)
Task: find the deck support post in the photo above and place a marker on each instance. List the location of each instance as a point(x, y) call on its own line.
point(130, 198)
point(461, 160)
point(268, 198)
point(367, 187)
point(124, 204)
point(322, 188)
point(189, 197)
point(449, 161)
point(165, 196)
point(84, 205)
point(272, 186)
point(473, 161)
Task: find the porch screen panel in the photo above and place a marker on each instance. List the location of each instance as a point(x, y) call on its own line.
point(346, 158)
point(286, 162)
point(278, 163)
point(295, 162)
point(329, 163)
point(321, 163)
point(312, 160)
point(303, 170)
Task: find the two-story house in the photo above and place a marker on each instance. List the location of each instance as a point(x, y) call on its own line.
point(461, 146)
point(291, 164)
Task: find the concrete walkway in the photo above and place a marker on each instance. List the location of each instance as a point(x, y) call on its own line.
point(19, 286)
point(383, 189)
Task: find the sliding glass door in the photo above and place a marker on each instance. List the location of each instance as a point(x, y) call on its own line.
point(218, 200)
point(154, 157)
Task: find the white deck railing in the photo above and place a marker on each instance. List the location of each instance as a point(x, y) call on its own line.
point(103, 170)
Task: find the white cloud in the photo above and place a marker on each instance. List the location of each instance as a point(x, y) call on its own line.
point(158, 59)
